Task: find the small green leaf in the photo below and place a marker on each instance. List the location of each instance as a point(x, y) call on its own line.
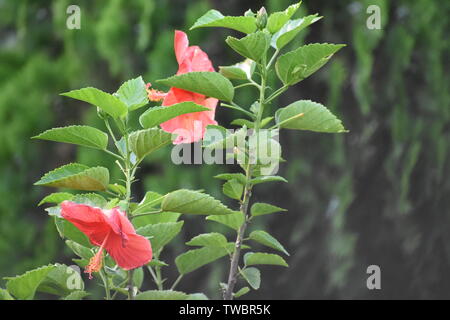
point(233, 221)
point(68, 231)
point(133, 93)
point(210, 84)
point(105, 101)
point(233, 189)
point(217, 137)
point(79, 135)
point(214, 18)
point(263, 179)
point(157, 115)
point(79, 250)
point(239, 71)
point(242, 122)
point(314, 117)
point(160, 233)
point(267, 240)
point(253, 258)
point(161, 295)
point(76, 295)
point(194, 259)
point(157, 263)
point(76, 176)
point(229, 176)
point(241, 292)
point(149, 203)
point(24, 287)
point(193, 202)
point(259, 209)
point(144, 142)
point(290, 30)
point(252, 46)
point(56, 198)
point(278, 19)
point(299, 64)
point(138, 277)
point(252, 276)
point(212, 239)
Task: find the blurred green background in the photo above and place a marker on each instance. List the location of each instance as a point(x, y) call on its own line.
point(377, 195)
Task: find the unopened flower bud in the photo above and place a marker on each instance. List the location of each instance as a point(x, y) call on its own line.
point(261, 18)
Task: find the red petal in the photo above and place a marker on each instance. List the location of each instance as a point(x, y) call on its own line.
point(135, 253)
point(181, 44)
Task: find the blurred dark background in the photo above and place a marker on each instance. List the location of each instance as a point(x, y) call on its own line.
point(377, 195)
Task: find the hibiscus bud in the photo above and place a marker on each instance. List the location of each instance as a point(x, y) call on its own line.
point(261, 18)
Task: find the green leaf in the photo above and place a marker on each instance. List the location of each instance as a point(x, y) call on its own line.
point(105, 101)
point(56, 197)
point(24, 287)
point(194, 259)
point(264, 179)
point(4, 295)
point(253, 258)
point(217, 137)
point(229, 176)
point(193, 202)
point(79, 250)
point(252, 46)
point(161, 295)
point(259, 209)
point(138, 277)
point(149, 203)
point(234, 221)
point(239, 71)
point(76, 176)
point(278, 19)
point(299, 64)
point(80, 135)
point(267, 240)
point(290, 30)
point(214, 18)
point(212, 239)
point(76, 295)
point(241, 292)
point(233, 189)
point(210, 84)
point(133, 93)
point(90, 199)
point(308, 115)
point(157, 263)
point(61, 281)
point(157, 115)
point(242, 122)
point(197, 296)
point(67, 230)
point(144, 142)
point(160, 233)
point(252, 276)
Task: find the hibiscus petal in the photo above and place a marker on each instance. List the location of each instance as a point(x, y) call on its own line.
point(135, 253)
point(181, 44)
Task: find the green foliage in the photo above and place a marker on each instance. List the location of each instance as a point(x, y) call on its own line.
point(266, 239)
point(253, 258)
point(24, 286)
point(253, 277)
point(133, 94)
point(80, 135)
point(214, 18)
point(196, 258)
point(144, 142)
point(234, 220)
point(253, 46)
point(160, 233)
point(259, 209)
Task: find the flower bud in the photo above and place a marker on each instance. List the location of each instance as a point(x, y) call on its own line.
point(261, 18)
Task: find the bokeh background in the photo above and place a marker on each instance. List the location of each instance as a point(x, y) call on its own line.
point(377, 195)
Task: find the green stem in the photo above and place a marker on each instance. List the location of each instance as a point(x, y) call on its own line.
point(130, 285)
point(235, 107)
point(176, 282)
point(146, 214)
point(105, 284)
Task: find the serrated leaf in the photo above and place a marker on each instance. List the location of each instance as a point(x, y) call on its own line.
point(212, 239)
point(79, 135)
point(241, 292)
point(314, 117)
point(76, 295)
point(56, 197)
point(214, 18)
point(76, 176)
point(234, 221)
point(161, 295)
point(160, 233)
point(252, 46)
point(61, 281)
point(233, 189)
point(290, 30)
point(252, 276)
point(105, 101)
point(133, 93)
point(194, 259)
point(157, 115)
point(90, 199)
point(217, 137)
point(278, 19)
point(229, 176)
point(264, 179)
point(254, 258)
point(259, 209)
point(23, 287)
point(210, 84)
point(267, 240)
point(239, 71)
point(144, 142)
point(193, 202)
point(299, 64)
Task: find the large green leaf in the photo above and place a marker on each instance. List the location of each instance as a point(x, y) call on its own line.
point(240, 71)
point(299, 64)
point(144, 142)
point(194, 259)
point(61, 281)
point(308, 115)
point(234, 221)
point(161, 295)
point(24, 287)
point(253, 258)
point(161, 233)
point(157, 115)
point(133, 93)
point(80, 135)
point(76, 176)
point(233, 189)
point(193, 202)
point(278, 19)
point(210, 84)
point(252, 276)
point(288, 32)
point(105, 101)
point(214, 18)
point(252, 46)
point(212, 239)
point(259, 209)
point(267, 240)
point(56, 197)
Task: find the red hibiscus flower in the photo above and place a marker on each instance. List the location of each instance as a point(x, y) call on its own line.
point(192, 126)
point(110, 230)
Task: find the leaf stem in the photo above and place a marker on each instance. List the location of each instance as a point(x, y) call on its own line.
point(236, 107)
point(176, 282)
